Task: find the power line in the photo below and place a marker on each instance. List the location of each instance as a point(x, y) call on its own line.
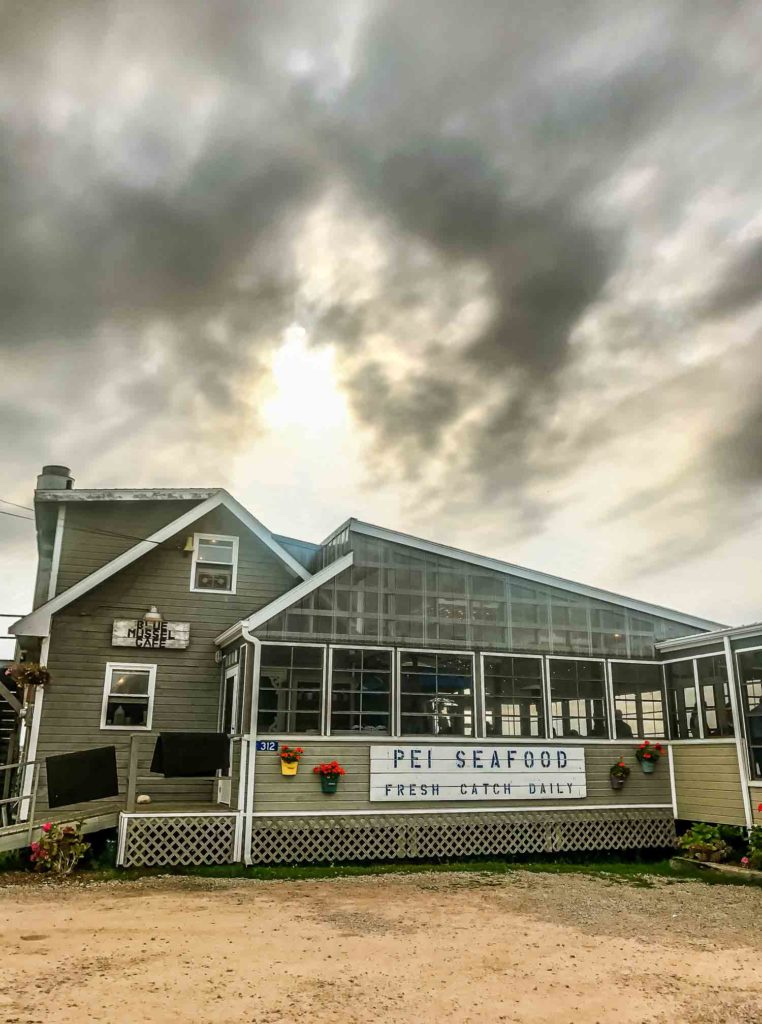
point(80, 529)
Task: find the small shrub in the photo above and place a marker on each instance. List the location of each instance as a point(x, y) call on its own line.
point(755, 848)
point(59, 849)
point(705, 843)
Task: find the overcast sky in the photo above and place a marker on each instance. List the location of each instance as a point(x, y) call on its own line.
point(488, 272)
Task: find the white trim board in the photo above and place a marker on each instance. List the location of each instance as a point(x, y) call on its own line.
point(37, 623)
point(280, 604)
point(445, 551)
point(715, 637)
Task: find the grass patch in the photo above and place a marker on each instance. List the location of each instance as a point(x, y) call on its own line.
point(638, 872)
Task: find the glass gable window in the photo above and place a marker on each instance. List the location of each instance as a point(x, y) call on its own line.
point(360, 690)
point(513, 697)
point(578, 698)
point(638, 700)
point(128, 696)
point(436, 694)
point(290, 689)
point(750, 680)
point(715, 696)
point(681, 700)
point(214, 563)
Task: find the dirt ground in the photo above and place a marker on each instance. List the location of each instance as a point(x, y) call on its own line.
point(429, 947)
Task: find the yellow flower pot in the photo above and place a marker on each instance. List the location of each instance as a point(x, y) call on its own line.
point(289, 769)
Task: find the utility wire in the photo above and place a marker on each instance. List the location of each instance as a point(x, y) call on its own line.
point(80, 529)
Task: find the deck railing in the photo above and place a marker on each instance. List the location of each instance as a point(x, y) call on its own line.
point(21, 799)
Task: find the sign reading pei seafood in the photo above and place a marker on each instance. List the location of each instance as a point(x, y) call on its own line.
point(409, 773)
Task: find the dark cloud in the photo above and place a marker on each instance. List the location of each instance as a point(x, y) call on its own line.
point(160, 164)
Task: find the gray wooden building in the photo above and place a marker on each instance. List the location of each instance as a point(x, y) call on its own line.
point(476, 706)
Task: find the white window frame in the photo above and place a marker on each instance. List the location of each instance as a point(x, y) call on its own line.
point(329, 692)
point(123, 666)
point(398, 696)
point(305, 736)
point(612, 698)
point(511, 654)
point(606, 694)
point(199, 538)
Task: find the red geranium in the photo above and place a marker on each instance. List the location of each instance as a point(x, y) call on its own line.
point(330, 768)
point(290, 755)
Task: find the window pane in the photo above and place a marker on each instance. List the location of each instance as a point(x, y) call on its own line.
point(217, 551)
point(129, 681)
point(210, 577)
point(360, 690)
point(750, 679)
point(290, 689)
point(638, 701)
point(578, 698)
point(437, 694)
point(128, 711)
point(681, 697)
point(514, 701)
point(715, 696)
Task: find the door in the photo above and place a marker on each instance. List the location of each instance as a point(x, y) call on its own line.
point(228, 717)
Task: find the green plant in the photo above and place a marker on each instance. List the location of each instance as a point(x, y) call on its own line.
point(648, 751)
point(704, 842)
point(619, 769)
point(755, 848)
point(59, 849)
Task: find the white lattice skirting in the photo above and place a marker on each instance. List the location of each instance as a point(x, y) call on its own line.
point(320, 840)
point(167, 840)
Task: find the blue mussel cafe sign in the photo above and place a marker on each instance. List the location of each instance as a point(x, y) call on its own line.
point(409, 773)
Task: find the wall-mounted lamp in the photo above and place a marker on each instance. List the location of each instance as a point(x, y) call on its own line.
point(188, 549)
point(153, 616)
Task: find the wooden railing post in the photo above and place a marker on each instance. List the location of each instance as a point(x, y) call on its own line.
point(132, 772)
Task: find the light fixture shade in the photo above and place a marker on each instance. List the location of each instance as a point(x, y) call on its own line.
point(153, 616)
point(188, 549)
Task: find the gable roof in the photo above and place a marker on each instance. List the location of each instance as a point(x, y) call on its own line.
point(495, 564)
point(284, 601)
point(37, 623)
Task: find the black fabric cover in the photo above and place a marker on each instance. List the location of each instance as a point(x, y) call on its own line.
point(82, 776)
point(191, 754)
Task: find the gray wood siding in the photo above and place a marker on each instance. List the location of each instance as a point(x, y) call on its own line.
point(274, 792)
point(708, 783)
point(83, 550)
point(187, 681)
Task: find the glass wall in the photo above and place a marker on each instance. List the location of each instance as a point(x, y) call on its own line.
point(513, 696)
point(578, 698)
point(395, 594)
point(361, 688)
point(638, 692)
point(750, 680)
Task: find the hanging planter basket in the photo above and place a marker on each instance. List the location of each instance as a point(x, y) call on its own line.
point(616, 783)
point(289, 759)
point(648, 755)
point(329, 775)
point(619, 773)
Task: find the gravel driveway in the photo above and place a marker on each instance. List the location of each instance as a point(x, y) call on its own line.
point(425, 947)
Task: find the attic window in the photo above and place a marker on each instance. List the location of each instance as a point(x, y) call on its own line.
point(215, 563)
